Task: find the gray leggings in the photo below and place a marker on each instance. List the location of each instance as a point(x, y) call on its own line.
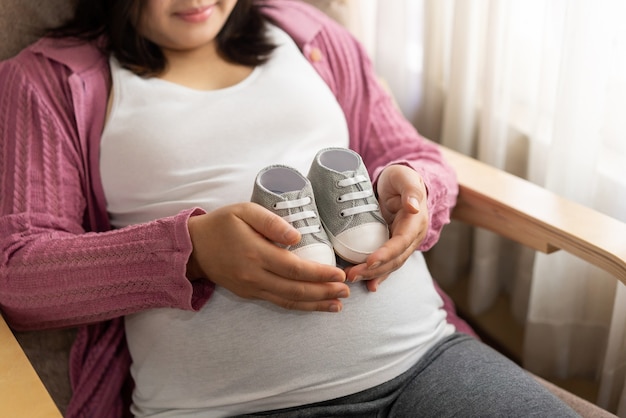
point(459, 377)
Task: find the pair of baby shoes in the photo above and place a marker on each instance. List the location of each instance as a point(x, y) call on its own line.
point(334, 208)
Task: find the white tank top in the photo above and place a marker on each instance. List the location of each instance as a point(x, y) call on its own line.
point(166, 148)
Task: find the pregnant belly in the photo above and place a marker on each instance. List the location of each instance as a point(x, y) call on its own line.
point(236, 351)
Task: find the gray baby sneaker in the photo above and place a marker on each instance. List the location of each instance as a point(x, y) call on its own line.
point(347, 205)
point(286, 192)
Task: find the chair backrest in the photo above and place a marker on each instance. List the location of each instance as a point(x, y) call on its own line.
point(21, 21)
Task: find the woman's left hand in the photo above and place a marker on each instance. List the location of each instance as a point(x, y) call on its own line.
point(402, 198)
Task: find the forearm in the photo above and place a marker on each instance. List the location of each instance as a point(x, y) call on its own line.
point(57, 279)
point(393, 140)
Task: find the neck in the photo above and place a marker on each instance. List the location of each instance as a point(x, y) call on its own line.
point(202, 69)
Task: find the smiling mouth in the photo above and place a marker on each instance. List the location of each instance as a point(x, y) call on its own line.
point(197, 14)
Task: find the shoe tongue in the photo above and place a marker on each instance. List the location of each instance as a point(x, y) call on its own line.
point(349, 173)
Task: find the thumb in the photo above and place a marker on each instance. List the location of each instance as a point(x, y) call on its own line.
point(270, 225)
point(413, 195)
point(412, 204)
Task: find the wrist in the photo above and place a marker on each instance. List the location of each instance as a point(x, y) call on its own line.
point(193, 272)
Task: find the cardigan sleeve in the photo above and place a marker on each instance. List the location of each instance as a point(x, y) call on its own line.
point(53, 273)
point(378, 130)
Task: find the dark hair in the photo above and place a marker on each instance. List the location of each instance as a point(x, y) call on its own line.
point(242, 40)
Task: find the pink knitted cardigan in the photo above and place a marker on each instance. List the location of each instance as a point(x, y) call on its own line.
point(61, 265)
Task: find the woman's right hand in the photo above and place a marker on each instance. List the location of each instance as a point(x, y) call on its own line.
point(234, 248)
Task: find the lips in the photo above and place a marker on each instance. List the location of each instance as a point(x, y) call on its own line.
point(196, 14)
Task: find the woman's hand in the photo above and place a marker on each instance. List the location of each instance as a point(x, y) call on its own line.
point(402, 198)
point(233, 247)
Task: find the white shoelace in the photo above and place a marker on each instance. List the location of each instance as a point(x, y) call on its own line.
point(370, 207)
point(298, 216)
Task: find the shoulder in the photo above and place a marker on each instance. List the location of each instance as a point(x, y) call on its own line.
point(55, 71)
point(51, 60)
point(64, 84)
point(334, 52)
point(303, 22)
point(75, 55)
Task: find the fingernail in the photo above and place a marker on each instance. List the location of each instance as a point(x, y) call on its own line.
point(357, 279)
point(343, 294)
point(291, 235)
point(415, 204)
point(334, 308)
point(339, 278)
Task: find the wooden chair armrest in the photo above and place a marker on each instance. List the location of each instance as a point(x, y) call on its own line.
point(22, 394)
point(531, 215)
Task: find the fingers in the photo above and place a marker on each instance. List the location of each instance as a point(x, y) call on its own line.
point(412, 204)
point(408, 230)
point(372, 285)
point(291, 282)
point(401, 191)
point(308, 287)
point(288, 265)
point(232, 247)
point(306, 296)
point(409, 200)
point(268, 224)
point(384, 261)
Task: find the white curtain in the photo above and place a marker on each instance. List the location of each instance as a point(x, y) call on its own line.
point(537, 88)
